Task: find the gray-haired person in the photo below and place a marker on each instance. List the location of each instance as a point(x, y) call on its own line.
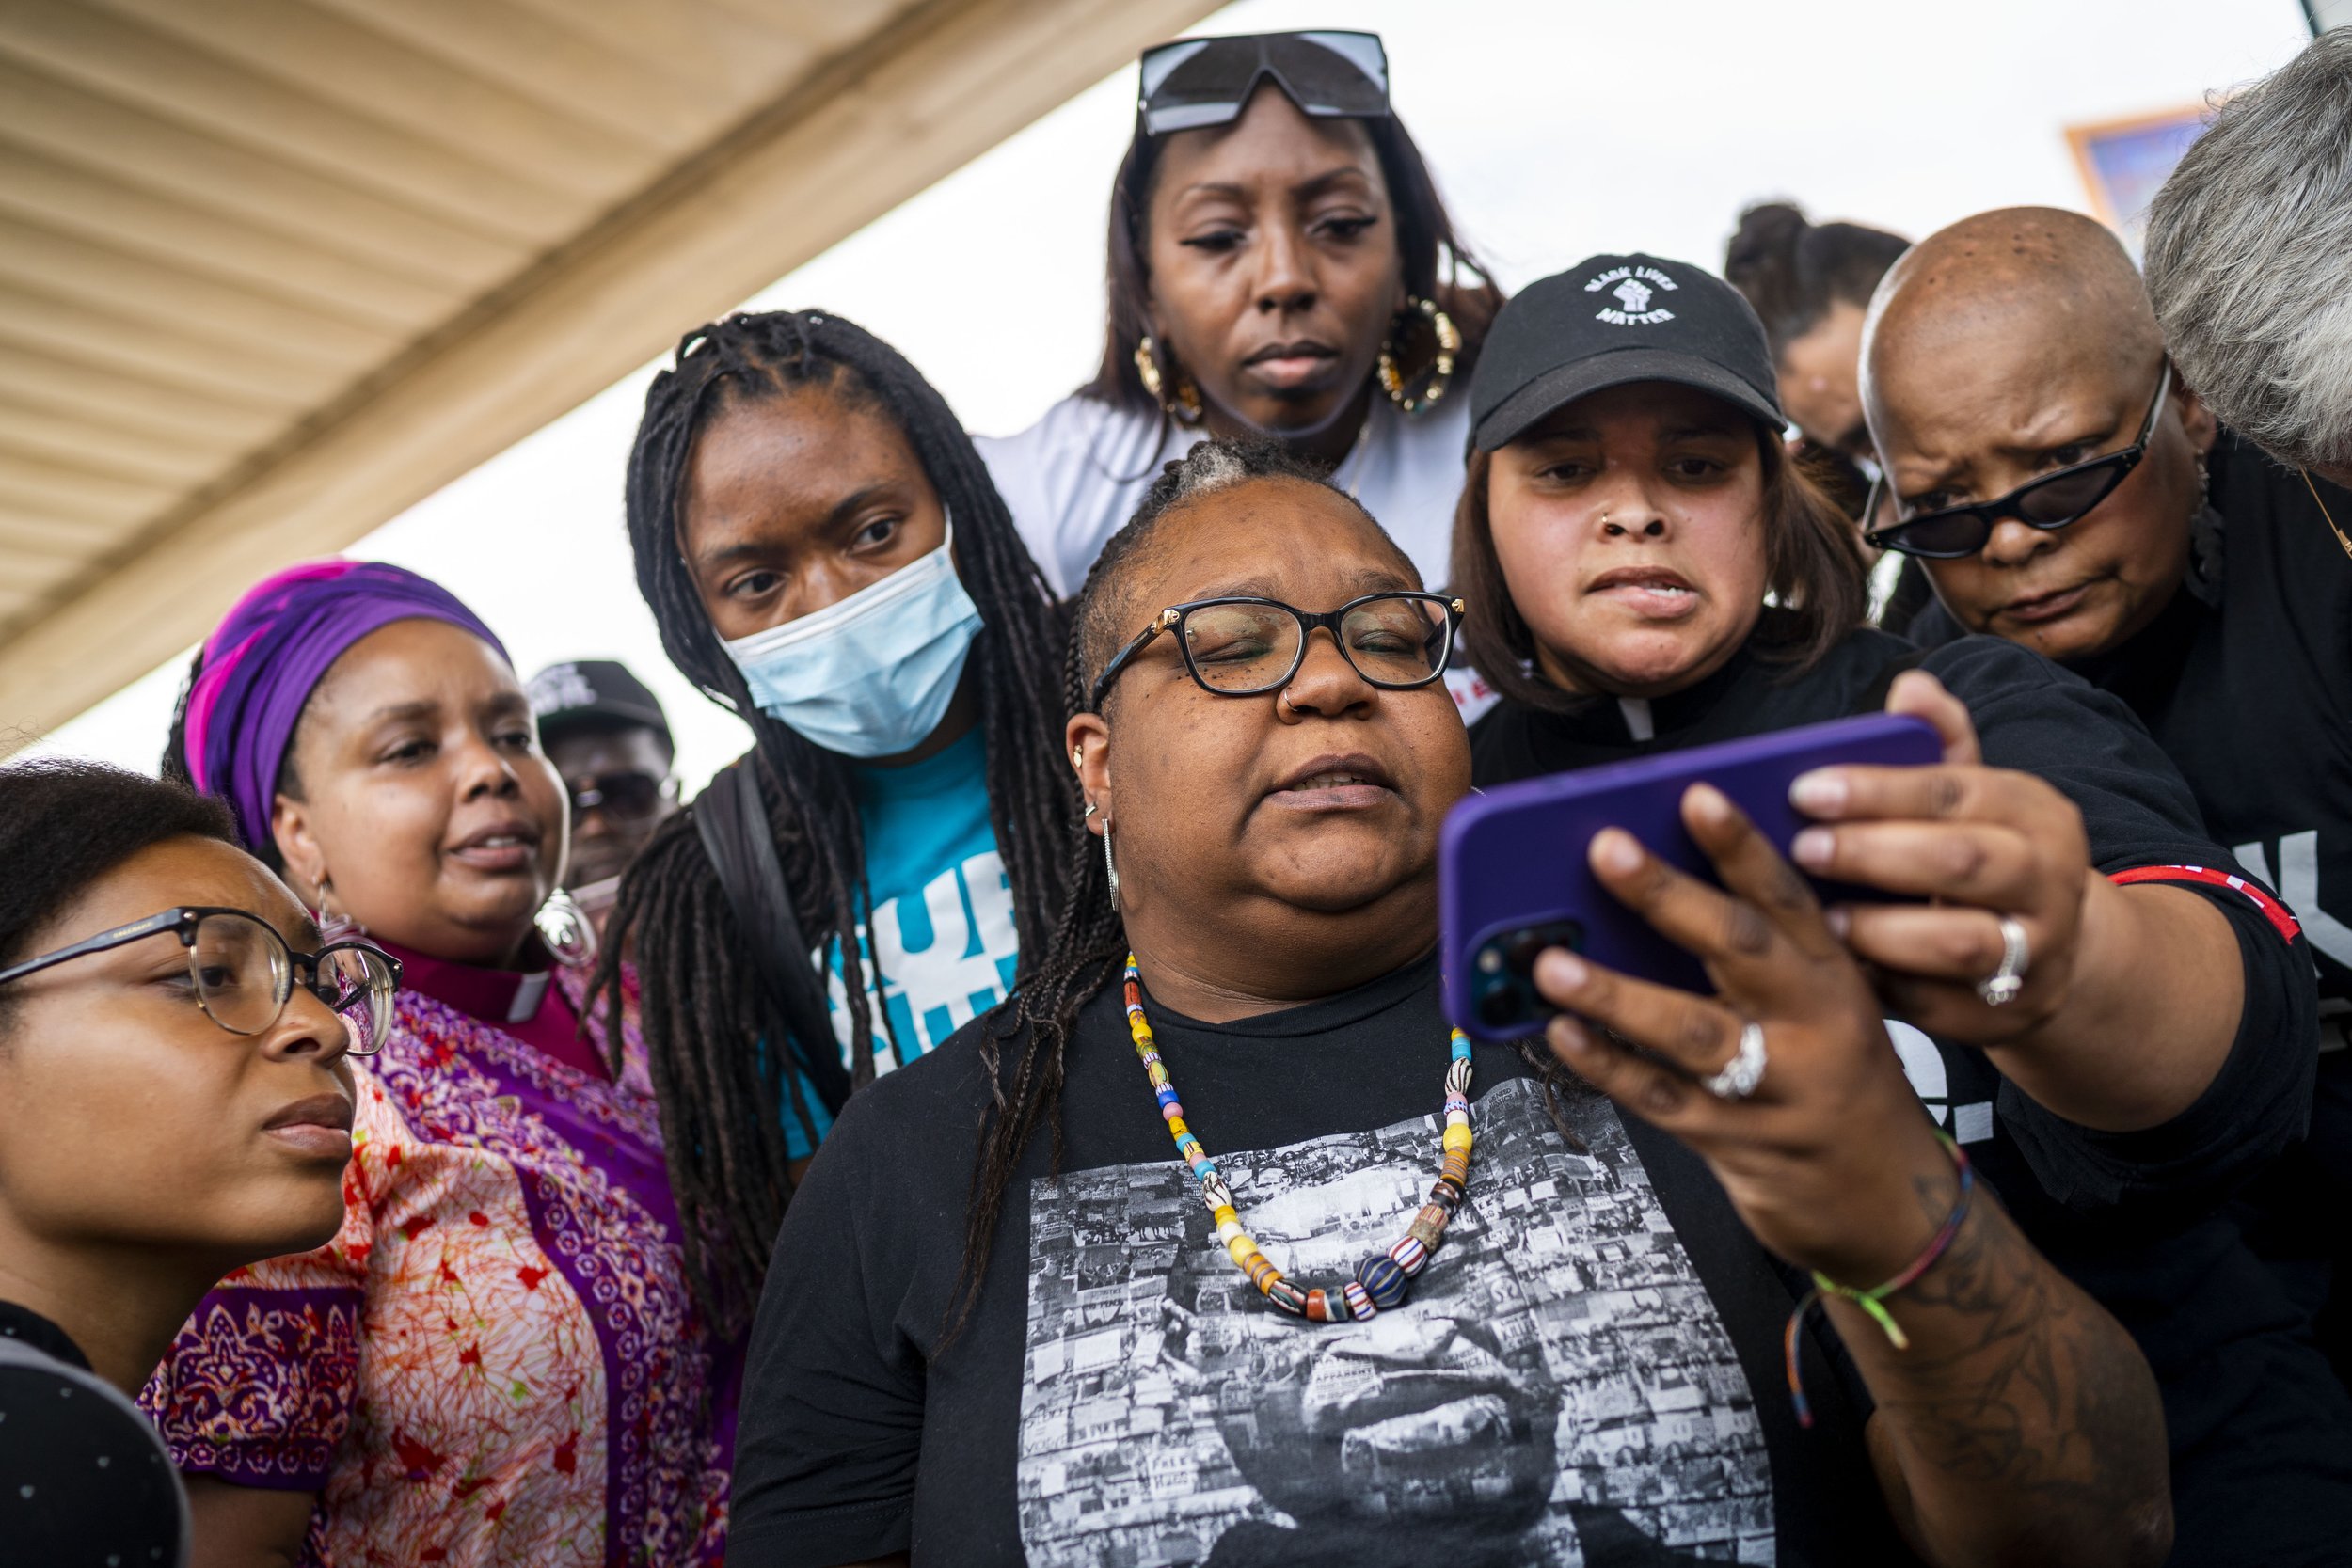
point(2249, 262)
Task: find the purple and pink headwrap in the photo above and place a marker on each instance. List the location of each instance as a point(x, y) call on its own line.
point(266, 655)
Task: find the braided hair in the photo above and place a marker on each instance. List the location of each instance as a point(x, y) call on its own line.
point(705, 1012)
point(1089, 941)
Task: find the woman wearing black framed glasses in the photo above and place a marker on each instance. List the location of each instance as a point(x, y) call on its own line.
point(1281, 267)
point(175, 1103)
point(1134, 1329)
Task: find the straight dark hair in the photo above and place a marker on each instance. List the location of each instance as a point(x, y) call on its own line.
point(1793, 270)
point(713, 1040)
point(1812, 561)
point(1435, 260)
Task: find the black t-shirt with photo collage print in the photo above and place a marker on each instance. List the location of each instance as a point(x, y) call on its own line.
point(1587, 1371)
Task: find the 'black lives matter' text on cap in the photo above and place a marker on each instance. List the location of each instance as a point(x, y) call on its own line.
point(1611, 319)
point(591, 694)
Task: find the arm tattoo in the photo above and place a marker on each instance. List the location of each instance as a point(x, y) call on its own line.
point(2021, 1393)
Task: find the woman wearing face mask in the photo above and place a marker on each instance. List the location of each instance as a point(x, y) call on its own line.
point(498, 1360)
point(1278, 1341)
point(139, 946)
point(1281, 265)
point(2110, 1018)
point(824, 555)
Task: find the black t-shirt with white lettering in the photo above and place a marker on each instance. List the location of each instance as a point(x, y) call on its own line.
point(1588, 1370)
point(2260, 1436)
point(2245, 681)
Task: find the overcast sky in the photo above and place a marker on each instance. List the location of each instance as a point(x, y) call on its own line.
point(1556, 129)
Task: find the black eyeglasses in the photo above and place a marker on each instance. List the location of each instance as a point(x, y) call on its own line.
point(2052, 501)
point(1197, 82)
point(1240, 647)
point(244, 973)
point(630, 795)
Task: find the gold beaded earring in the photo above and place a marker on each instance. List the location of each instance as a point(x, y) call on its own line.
point(1184, 408)
point(1440, 371)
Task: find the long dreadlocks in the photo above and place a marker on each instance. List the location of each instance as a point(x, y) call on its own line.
point(1089, 942)
point(713, 1038)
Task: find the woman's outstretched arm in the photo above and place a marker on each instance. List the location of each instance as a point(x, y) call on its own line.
point(2019, 1424)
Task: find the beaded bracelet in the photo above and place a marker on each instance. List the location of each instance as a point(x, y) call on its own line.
point(1873, 1300)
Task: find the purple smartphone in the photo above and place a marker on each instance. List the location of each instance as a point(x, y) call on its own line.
point(1512, 881)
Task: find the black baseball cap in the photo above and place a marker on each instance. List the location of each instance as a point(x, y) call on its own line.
point(1609, 319)
point(592, 693)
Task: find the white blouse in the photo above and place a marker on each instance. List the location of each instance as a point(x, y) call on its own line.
point(1073, 479)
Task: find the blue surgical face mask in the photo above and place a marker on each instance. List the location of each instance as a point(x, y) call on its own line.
point(872, 676)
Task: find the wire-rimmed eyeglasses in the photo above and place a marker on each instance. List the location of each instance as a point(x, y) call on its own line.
point(243, 972)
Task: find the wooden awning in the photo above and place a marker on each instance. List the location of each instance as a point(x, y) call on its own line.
point(273, 270)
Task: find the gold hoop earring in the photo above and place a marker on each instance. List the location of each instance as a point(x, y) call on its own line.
point(1440, 371)
point(1184, 408)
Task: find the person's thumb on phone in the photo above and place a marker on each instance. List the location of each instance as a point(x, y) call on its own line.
point(1922, 696)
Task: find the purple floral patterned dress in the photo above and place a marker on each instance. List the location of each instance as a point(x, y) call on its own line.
point(497, 1361)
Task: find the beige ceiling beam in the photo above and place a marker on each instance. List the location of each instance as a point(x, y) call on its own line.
point(75, 201)
point(139, 290)
point(879, 122)
point(29, 431)
point(120, 58)
point(135, 403)
point(702, 47)
point(91, 135)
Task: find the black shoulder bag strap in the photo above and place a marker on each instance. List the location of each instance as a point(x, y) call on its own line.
point(741, 845)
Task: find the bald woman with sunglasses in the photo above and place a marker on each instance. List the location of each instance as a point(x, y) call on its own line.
point(2068, 491)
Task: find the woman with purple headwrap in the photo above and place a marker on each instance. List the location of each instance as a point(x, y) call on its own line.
point(498, 1360)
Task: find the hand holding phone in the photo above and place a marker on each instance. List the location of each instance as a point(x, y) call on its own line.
point(1513, 876)
point(1824, 1151)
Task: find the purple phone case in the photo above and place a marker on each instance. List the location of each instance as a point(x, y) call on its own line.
point(1514, 856)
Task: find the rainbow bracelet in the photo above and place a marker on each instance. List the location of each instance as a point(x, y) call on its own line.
point(1873, 1300)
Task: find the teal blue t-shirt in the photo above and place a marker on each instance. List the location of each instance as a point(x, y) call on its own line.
point(940, 949)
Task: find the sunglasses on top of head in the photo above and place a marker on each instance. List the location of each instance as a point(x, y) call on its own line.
point(2050, 502)
point(1197, 82)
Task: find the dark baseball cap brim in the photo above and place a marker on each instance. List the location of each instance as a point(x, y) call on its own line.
point(1556, 389)
point(604, 714)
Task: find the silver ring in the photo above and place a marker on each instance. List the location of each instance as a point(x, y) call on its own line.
point(1738, 1077)
point(2000, 989)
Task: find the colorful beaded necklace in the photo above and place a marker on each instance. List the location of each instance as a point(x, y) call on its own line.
point(1382, 1278)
